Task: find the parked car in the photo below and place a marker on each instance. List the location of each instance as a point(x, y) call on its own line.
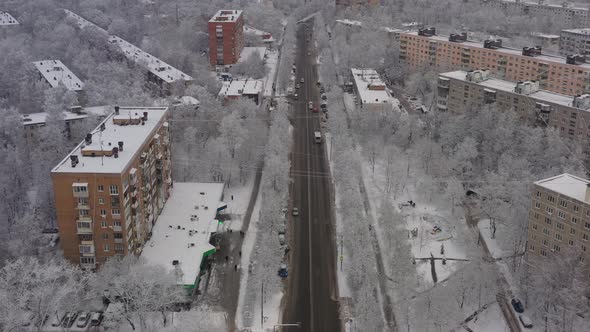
point(310, 105)
point(83, 319)
point(315, 109)
point(282, 239)
point(69, 319)
point(297, 86)
point(302, 80)
point(96, 318)
point(283, 272)
point(295, 212)
point(319, 83)
point(526, 321)
point(517, 305)
point(322, 90)
point(295, 96)
point(324, 97)
point(56, 319)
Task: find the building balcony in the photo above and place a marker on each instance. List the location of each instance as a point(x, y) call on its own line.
point(84, 229)
point(87, 243)
point(88, 266)
point(117, 228)
point(118, 240)
point(82, 206)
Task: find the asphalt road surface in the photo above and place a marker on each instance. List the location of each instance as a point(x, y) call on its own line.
point(311, 286)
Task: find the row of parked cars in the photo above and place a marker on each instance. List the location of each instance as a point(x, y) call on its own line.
point(78, 319)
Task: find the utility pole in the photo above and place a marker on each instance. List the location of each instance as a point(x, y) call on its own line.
point(341, 251)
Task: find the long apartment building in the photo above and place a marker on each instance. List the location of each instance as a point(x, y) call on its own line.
point(575, 41)
point(110, 189)
point(565, 12)
point(559, 217)
point(457, 91)
point(566, 75)
point(226, 37)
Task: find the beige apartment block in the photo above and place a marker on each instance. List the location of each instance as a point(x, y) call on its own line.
point(565, 75)
point(575, 41)
point(559, 217)
point(459, 91)
point(110, 189)
point(565, 11)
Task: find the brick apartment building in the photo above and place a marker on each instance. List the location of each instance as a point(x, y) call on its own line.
point(566, 75)
point(459, 90)
point(559, 217)
point(574, 41)
point(565, 12)
point(110, 189)
point(226, 37)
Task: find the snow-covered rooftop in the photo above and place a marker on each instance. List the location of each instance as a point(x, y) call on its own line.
point(226, 16)
point(133, 137)
point(55, 73)
point(7, 19)
point(370, 87)
point(266, 36)
point(80, 21)
point(248, 51)
point(545, 35)
point(530, 3)
point(350, 22)
point(40, 117)
point(568, 185)
point(241, 87)
point(502, 85)
point(584, 31)
point(505, 50)
point(156, 66)
point(184, 228)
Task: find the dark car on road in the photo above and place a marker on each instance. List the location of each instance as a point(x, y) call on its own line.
point(517, 305)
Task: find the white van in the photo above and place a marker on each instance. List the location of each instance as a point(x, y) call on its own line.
point(317, 137)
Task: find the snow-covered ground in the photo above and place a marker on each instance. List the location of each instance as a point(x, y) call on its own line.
point(271, 62)
point(486, 234)
point(237, 206)
point(489, 320)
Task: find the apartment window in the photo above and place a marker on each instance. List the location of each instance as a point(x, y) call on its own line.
point(548, 220)
point(549, 210)
point(82, 200)
point(561, 214)
point(86, 260)
point(106, 247)
point(103, 212)
point(100, 200)
point(551, 198)
point(543, 253)
point(100, 188)
point(537, 205)
point(583, 247)
point(556, 248)
point(560, 226)
point(531, 247)
point(117, 223)
point(587, 225)
point(558, 236)
point(84, 213)
point(576, 208)
point(585, 236)
point(105, 236)
point(118, 235)
point(572, 231)
point(103, 224)
point(115, 212)
point(562, 203)
point(85, 249)
point(571, 242)
point(83, 224)
point(538, 194)
point(536, 215)
point(574, 220)
point(118, 247)
point(545, 231)
point(114, 190)
point(535, 226)
point(85, 237)
point(80, 189)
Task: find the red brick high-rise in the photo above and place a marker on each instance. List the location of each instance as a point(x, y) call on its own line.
point(226, 39)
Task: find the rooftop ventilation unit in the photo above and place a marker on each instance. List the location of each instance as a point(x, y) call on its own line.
point(428, 32)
